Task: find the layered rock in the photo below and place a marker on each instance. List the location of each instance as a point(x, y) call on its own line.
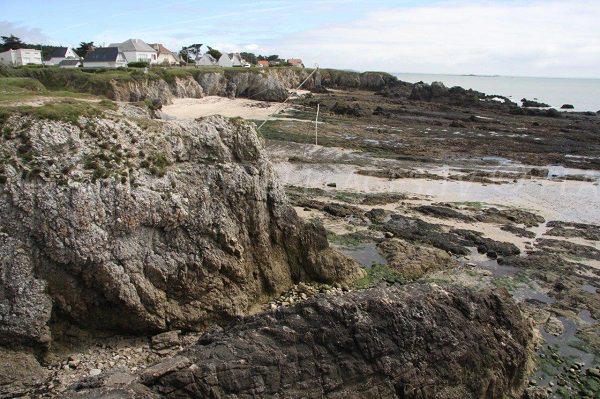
point(417, 341)
point(145, 228)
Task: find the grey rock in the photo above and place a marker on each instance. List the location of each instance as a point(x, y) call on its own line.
point(198, 235)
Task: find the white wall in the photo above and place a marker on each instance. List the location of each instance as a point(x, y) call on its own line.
point(139, 56)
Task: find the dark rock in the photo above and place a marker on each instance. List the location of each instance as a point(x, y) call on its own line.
point(518, 231)
point(341, 210)
point(340, 108)
point(567, 106)
point(443, 212)
point(492, 254)
point(413, 341)
point(376, 215)
point(165, 341)
point(331, 185)
point(474, 238)
point(533, 104)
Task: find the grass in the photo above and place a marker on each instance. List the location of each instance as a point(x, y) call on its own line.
point(66, 110)
point(349, 240)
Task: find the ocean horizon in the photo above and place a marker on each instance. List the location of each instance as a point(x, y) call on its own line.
point(582, 93)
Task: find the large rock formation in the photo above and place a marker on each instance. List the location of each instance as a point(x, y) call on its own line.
point(145, 227)
point(417, 341)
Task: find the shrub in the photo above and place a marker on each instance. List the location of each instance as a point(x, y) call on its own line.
point(138, 64)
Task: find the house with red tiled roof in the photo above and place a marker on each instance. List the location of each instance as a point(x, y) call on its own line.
point(262, 63)
point(164, 56)
point(295, 62)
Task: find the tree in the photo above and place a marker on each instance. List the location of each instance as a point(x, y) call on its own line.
point(249, 57)
point(273, 57)
point(214, 52)
point(84, 48)
point(11, 43)
point(189, 53)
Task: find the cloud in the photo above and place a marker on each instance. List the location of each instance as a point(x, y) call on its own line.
point(539, 38)
point(28, 35)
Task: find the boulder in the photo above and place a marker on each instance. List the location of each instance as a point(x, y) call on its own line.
point(567, 106)
point(142, 229)
point(416, 341)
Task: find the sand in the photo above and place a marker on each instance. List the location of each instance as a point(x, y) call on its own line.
point(191, 108)
point(569, 201)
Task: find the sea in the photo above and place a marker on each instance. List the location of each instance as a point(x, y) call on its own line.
point(583, 94)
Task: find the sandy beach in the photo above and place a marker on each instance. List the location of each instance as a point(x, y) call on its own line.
point(191, 108)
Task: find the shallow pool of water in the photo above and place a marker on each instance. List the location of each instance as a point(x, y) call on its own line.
point(366, 254)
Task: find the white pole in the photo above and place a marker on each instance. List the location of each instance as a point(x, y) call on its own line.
point(317, 124)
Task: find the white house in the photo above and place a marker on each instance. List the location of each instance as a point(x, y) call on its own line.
point(60, 54)
point(22, 56)
point(104, 57)
point(225, 61)
point(236, 59)
point(164, 56)
point(136, 50)
point(206, 60)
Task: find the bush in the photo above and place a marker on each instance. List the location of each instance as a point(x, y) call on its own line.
point(138, 64)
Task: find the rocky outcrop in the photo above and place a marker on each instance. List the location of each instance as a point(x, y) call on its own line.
point(439, 93)
point(145, 228)
point(417, 341)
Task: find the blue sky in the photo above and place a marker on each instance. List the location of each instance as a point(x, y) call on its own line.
point(510, 37)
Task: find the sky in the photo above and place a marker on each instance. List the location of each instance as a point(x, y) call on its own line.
point(495, 37)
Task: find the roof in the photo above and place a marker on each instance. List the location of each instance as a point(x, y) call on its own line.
point(68, 62)
point(263, 62)
point(160, 48)
point(58, 52)
point(133, 45)
point(208, 57)
point(294, 61)
point(102, 54)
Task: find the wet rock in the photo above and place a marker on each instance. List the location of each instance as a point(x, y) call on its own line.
point(568, 248)
point(476, 238)
point(518, 231)
point(492, 254)
point(565, 229)
point(341, 210)
point(367, 343)
point(508, 216)
point(554, 326)
point(414, 261)
point(443, 212)
point(331, 185)
point(376, 215)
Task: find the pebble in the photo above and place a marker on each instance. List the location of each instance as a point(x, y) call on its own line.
point(94, 372)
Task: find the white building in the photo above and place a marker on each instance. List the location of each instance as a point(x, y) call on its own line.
point(136, 50)
point(60, 54)
point(225, 61)
point(22, 56)
point(105, 57)
point(206, 60)
point(164, 56)
point(236, 59)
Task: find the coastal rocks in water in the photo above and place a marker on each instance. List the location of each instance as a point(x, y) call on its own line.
point(413, 261)
point(518, 231)
point(568, 248)
point(508, 216)
point(437, 92)
point(175, 225)
point(567, 106)
point(443, 212)
point(416, 341)
point(455, 241)
point(525, 103)
point(568, 229)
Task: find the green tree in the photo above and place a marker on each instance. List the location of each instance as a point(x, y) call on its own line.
point(214, 52)
point(273, 57)
point(11, 43)
point(84, 48)
point(249, 57)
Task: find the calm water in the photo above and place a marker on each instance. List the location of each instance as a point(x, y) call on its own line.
point(584, 94)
